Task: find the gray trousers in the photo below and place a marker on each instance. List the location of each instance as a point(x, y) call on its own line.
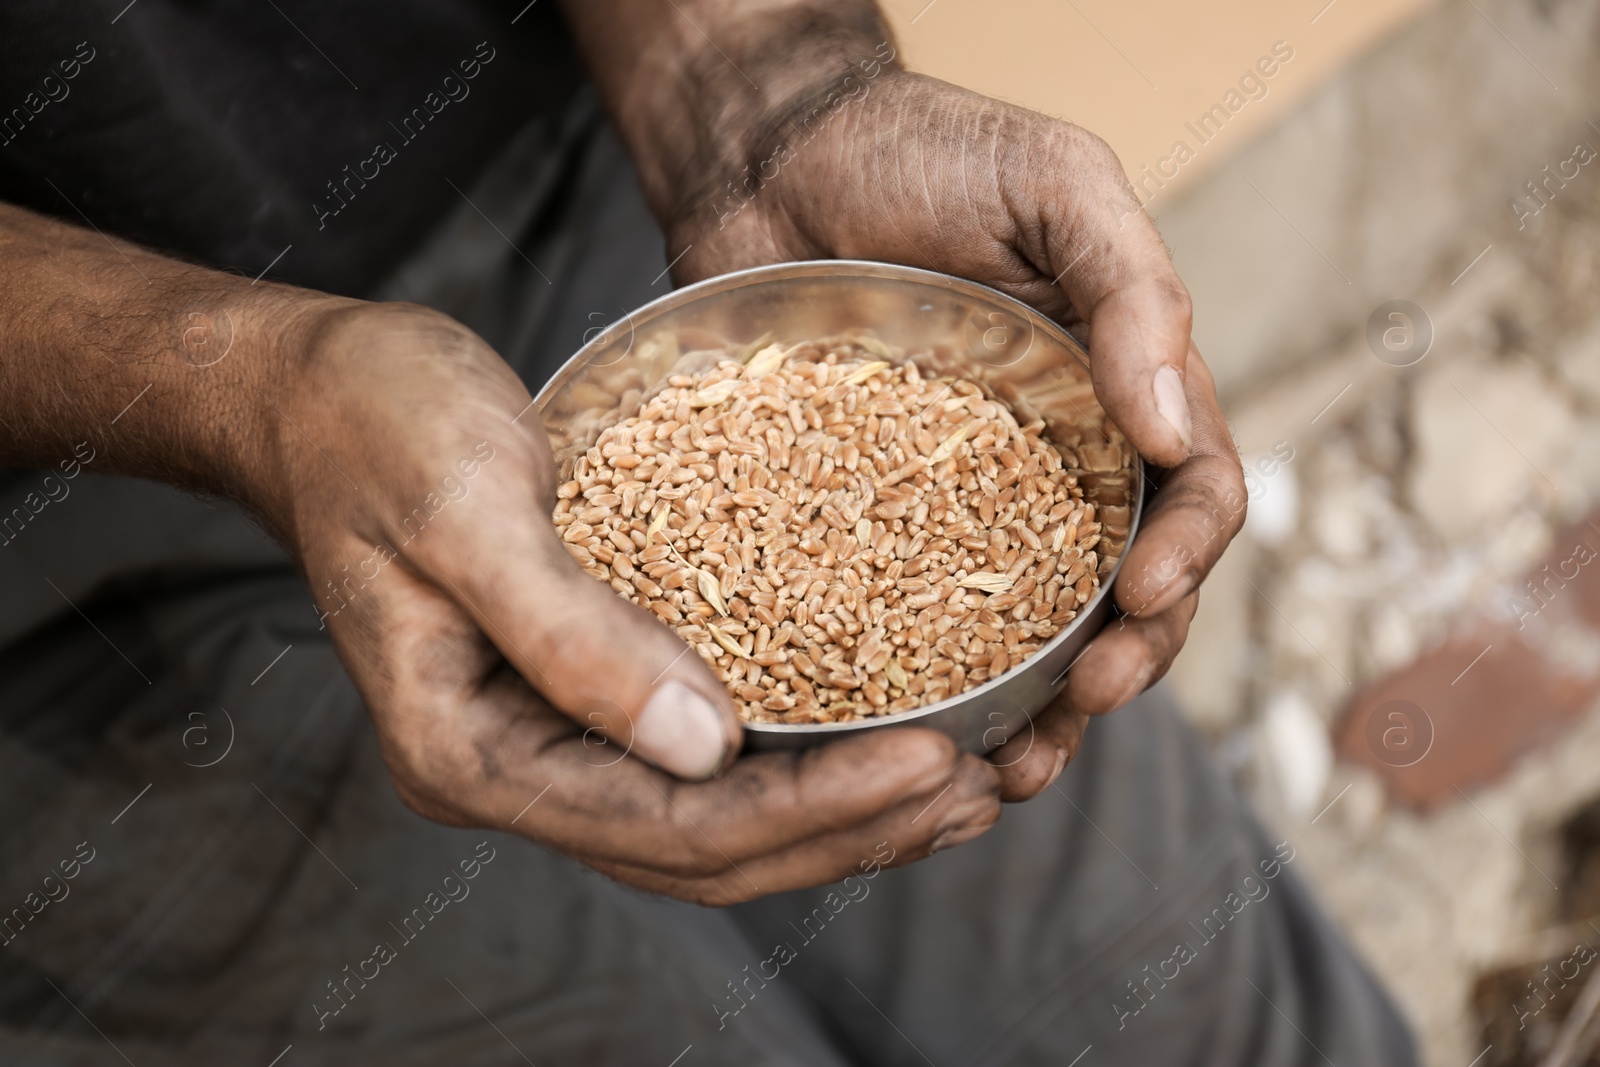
point(202, 860)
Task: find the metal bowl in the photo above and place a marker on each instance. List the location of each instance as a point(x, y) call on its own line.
point(947, 326)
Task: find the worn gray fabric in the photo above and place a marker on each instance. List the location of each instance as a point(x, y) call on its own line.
point(264, 851)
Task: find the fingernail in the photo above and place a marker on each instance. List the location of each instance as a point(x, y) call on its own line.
point(1136, 685)
point(1168, 595)
point(1172, 404)
point(1060, 765)
point(680, 731)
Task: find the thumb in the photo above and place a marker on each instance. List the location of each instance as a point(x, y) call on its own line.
point(1114, 268)
point(607, 664)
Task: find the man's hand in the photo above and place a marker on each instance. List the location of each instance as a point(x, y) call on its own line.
point(418, 486)
point(915, 171)
point(399, 459)
point(809, 142)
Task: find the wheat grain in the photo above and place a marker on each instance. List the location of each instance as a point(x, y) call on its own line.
point(835, 534)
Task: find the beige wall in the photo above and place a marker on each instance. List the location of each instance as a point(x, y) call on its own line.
point(1136, 72)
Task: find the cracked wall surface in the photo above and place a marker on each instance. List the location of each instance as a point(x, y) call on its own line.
point(1414, 499)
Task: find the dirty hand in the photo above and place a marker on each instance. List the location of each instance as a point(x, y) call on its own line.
point(416, 486)
point(909, 169)
point(397, 456)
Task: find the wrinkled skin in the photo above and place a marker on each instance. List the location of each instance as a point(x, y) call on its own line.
point(918, 172)
point(392, 399)
point(498, 675)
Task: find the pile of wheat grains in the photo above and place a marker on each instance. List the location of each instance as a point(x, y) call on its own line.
point(837, 536)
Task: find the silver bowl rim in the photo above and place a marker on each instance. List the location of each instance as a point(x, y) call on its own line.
point(864, 268)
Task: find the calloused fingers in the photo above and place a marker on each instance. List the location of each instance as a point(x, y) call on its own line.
point(1197, 509)
point(1113, 265)
point(765, 805)
point(1127, 658)
point(909, 831)
point(605, 663)
point(1036, 756)
point(469, 742)
point(1192, 517)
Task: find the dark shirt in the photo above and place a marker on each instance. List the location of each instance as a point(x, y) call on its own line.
point(227, 131)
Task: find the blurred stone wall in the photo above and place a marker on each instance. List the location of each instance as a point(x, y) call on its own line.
point(1386, 183)
point(1413, 497)
point(1135, 73)
point(1386, 186)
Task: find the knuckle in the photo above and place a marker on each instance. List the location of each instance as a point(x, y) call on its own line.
point(1210, 497)
point(933, 751)
point(991, 811)
point(720, 892)
point(1173, 299)
point(423, 798)
point(1087, 146)
point(1177, 297)
point(421, 768)
point(976, 783)
point(701, 862)
point(567, 638)
point(407, 759)
point(690, 854)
